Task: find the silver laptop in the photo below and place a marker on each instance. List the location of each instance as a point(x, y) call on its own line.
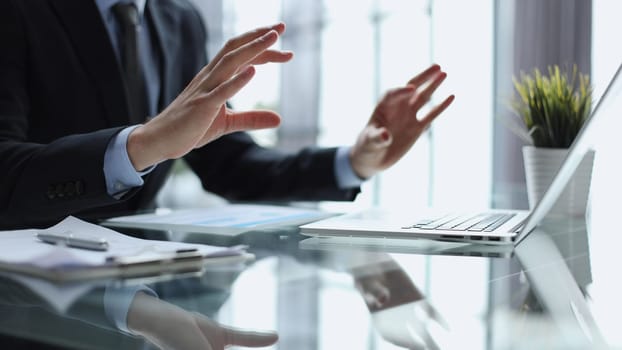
point(489, 227)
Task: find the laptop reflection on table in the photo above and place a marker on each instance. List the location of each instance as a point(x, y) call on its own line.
point(555, 267)
point(557, 288)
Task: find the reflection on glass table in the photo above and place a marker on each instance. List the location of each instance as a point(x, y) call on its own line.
point(399, 311)
point(171, 327)
point(317, 297)
point(555, 311)
point(91, 315)
point(542, 302)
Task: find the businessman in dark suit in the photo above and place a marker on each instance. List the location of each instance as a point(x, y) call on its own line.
point(76, 138)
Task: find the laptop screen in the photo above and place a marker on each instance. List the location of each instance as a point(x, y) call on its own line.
point(582, 143)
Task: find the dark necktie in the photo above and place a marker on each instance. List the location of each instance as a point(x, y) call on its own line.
point(128, 17)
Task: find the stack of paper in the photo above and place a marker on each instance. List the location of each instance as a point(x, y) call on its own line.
point(23, 251)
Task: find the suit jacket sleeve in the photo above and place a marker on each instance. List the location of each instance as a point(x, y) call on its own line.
point(237, 168)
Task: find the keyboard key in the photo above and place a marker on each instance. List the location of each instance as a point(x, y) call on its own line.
point(436, 223)
point(454, 222)
point(492, 219)
point(468, 223)
point(499, 222)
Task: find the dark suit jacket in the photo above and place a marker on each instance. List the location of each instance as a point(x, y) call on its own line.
point(62, 99)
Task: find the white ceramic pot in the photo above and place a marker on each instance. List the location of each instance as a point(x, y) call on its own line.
point(541, 165)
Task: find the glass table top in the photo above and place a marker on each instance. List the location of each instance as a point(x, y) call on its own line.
point(555, 290)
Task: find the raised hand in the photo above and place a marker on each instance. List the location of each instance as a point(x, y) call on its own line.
point(198, 115)
point(395, 124)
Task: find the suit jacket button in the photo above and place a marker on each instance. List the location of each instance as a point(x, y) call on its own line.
point(59, 191)
point(51, 194)
point(70, 189)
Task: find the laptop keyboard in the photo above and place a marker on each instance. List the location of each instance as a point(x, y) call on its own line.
point(485, 222)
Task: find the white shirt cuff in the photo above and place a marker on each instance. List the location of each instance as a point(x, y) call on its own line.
point(118, 169)
point(345, 175)
point(117, 301)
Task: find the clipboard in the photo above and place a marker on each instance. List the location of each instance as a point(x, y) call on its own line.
point(23, 252)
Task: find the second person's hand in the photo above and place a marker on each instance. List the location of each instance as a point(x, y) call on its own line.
point(396, 123)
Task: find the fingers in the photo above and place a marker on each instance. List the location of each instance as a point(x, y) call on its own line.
point(237, 58)
point(251, 120)
point(249, 338)
point(425, 75)
point(226, 90)
point(435, 314)
point(422, 96)
point(273, 56)
point(438, 109)
point(238, 41)
point(239, 55)
point(221, 337)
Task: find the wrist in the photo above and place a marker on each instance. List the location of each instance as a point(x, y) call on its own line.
point(360, 166)
point(153, 318)
point(140, 151)
point(143, 315)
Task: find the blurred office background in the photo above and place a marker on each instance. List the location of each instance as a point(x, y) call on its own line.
point(347, 53)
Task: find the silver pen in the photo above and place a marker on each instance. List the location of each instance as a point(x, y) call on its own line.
point(74, 241)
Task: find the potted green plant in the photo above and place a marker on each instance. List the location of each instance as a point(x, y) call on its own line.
point(552, 109)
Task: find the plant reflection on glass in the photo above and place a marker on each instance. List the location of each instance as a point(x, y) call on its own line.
point(553, 108)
